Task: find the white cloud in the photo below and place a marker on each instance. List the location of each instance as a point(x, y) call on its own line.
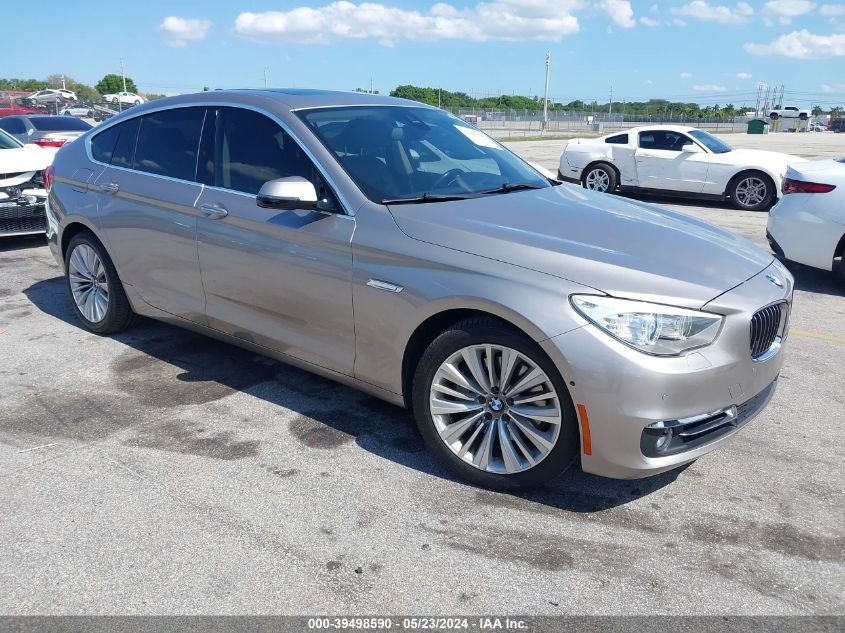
point(706, 12)
point(840, 88)
point(708, 88)
point(619, 11)
point(649, 82)
point(832, 10)
point(654, 9)
point(180, 31)
point(744, 75)
point(801, 45)
point(648, 21)
point(679, 22)
point(686, 75)
point(790, 8)
point(508, 20)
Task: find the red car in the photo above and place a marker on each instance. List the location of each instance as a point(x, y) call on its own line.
point(9, 109)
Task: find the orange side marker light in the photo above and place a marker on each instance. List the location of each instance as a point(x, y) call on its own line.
point(585, 430)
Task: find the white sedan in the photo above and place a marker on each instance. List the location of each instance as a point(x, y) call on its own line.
point(671, 159)
point(124, 98)
point(808, 224)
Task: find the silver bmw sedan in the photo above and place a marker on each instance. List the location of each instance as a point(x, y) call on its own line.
point(396, 248)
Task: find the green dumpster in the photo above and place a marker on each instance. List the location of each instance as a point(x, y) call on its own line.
point(758, 126)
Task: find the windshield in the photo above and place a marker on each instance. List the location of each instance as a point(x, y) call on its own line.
point(710, 142)
point(7, 142)
point(396, 153)
point(59, 124)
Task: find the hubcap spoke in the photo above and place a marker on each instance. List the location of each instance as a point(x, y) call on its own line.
point(495, 408)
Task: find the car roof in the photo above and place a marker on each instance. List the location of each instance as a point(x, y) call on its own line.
point(292, 98)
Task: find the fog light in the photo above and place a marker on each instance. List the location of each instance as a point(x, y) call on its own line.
point(663, 441)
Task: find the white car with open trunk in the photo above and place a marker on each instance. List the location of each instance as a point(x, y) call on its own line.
point(671, 159)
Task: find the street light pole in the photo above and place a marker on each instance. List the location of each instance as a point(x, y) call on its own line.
point(546, 91)
point(123, 74)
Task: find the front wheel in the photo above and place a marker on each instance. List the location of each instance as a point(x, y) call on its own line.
point(752, 191)
point(600, 177)
point(97, 294)
point(493, 408)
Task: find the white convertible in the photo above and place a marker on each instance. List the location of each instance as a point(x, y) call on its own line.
point(671, 159)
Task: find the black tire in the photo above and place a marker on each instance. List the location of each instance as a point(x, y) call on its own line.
point(137, 102)
point(601, 172)
point(119, 315)
point(485, 330)
point(774, 116)
point(736, 197)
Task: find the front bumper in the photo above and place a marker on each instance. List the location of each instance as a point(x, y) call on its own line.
point(621, 393)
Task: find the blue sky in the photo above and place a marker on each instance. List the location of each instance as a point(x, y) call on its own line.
point(691, 50)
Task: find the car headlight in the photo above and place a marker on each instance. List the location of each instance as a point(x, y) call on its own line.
point(649, 327)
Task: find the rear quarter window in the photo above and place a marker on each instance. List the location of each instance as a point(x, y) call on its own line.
point(619, 139)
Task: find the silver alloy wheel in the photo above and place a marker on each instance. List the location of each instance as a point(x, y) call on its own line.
point(495, 408)
point(751, 191)
point(88, 283)
point(598, 180)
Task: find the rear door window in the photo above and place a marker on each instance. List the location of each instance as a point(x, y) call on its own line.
point(168, 142)
point(619, 139)
point(13, 126)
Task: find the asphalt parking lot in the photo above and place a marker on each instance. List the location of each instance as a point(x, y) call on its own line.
point(159, 471)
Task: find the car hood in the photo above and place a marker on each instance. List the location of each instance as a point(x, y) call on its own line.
point(618, 246)
point(760, 158)
point(21, 159)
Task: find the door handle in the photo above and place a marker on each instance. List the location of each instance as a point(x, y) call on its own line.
point(109, 187)
point(213, 210)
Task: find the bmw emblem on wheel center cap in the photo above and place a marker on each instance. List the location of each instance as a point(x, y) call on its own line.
point(775, 280)
point(496, 404)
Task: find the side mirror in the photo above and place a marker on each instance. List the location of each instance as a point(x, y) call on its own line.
point(692, 148)
point(293, 192)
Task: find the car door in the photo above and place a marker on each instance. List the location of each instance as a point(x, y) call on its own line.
point(278, 278)
point(670, 160)
point(146, 198)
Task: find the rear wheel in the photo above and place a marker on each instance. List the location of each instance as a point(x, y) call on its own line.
point(752, 191)
point(493, 408)
point(600, 177)
point(97, 294)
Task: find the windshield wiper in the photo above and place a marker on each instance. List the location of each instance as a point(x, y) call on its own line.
point(516, 186)
point(427, 197)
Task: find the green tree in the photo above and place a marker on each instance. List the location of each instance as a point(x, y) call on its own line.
point(114, 83)
point(818, 110)
point(835, 111)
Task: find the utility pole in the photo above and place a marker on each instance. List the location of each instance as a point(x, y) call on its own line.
point(546, 91)
point(123, 75)
point(372, 92)
point(265, 76)
point(63, 83)
point(610, 107)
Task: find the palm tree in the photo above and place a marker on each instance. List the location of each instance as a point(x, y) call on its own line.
point(817, 111)
point(835, 111)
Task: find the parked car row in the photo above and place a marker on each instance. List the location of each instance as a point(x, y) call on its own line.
point(521, 341)
point(22, 192)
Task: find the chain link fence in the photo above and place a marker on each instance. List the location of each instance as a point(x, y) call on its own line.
point(529, 123)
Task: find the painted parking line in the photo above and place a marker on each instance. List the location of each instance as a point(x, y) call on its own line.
point(819, 335)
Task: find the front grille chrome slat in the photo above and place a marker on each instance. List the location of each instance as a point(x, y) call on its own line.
point(767, 329)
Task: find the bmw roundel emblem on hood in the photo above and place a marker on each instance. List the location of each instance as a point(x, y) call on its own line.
point(775, 280)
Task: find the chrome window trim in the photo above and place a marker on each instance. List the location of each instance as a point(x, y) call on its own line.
point(346, 207)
